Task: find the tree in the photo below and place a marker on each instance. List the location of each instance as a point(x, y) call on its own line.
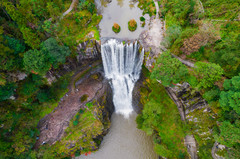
point(7, 91)
point(50, 53)
point(172, 33)
point(23, 16)
point(43, 96)
point(230, 97)
point(30, 37)
point(3, 80)
point(169, 70)
point(212, 95)
point(7, 58)
point(15, 44)
point(230, 102)
point(207, 74)
point(36, 61)
point(55, 53)
point(31, 85)
point(229, 133)
point(228, 57)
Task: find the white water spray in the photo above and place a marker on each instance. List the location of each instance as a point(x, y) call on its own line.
point(122, 66)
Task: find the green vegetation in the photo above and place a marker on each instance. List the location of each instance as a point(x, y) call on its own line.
point(142, 19)
point(228, 57)
point(201, 123)
point(229, 99)
point(169, 70)
point(84, 98)
point(116, 28)
point(19, 118)
point(35, 38)
point(229, 102)
point(148, 7)
point(207, 32)
point(160, 118)
point(207, 74)
point(132, 25)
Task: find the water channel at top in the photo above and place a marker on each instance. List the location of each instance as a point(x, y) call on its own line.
point(120, 11)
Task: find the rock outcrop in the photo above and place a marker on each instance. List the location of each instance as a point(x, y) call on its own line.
point(94, 90)
point(199, 116)
point(136, 94)
point(88, 52)
point(190, 99)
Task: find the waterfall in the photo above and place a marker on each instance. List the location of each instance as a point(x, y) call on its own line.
point(122, 66)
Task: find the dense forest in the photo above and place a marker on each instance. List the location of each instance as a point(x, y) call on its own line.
point(207, 34)
point(36, 36)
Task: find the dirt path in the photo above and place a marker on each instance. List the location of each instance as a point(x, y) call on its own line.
point(70, 8)
point(157, 9)
point(185, 62)
point(191, 146)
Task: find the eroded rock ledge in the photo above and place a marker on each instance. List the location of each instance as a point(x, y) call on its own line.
point(95, 89)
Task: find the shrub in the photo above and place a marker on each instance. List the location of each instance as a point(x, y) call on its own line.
point(132, 25)
point(207, 74)
point(116, 28)
point(142, 19)
point(169, 70)
point(84, 98)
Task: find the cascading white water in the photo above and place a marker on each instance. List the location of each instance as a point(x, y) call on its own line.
point(122, 66)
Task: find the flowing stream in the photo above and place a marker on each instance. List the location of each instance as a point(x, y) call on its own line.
point(122, 66)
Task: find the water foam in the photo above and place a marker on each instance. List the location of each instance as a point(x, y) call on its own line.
point(122, 66)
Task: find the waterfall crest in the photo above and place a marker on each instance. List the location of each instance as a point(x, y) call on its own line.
point(122, 66)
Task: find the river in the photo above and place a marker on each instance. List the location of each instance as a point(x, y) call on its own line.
point(124, 141)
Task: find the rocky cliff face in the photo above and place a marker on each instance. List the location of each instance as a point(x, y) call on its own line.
point(88, 50)
point(199, 116)
point(136, 99)
point(87, 53)
point(190, 99)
